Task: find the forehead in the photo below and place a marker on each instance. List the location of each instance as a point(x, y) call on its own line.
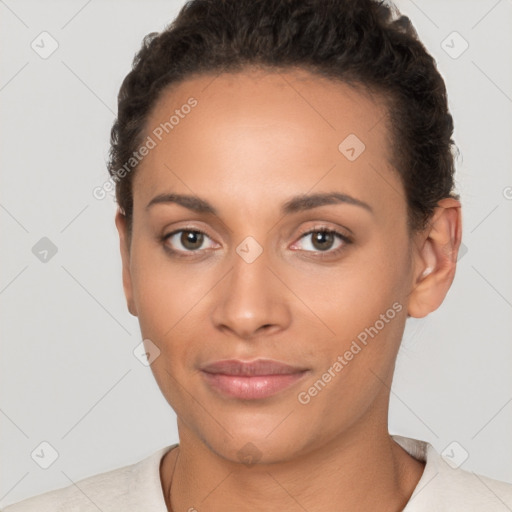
point(283, 131)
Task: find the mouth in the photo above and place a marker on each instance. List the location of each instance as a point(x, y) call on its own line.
point(251, 380)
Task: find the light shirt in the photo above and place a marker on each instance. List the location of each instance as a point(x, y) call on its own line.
point(138, 488)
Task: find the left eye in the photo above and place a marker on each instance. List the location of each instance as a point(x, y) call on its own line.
point(322, 240)
point(191, 240)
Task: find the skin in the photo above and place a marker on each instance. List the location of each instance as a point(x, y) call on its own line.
point(254, 140)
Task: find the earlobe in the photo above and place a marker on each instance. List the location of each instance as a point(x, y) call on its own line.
point(124, 246)
point(435, 256)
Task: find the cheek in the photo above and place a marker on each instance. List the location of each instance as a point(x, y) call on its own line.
point(159, 287)
point(170, 304)
point(351, 295)
point(355, 366)
point(364, 305)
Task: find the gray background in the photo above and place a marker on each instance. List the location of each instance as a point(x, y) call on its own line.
point(68, 373)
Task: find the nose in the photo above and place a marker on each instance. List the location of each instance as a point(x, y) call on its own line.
point(251, 301)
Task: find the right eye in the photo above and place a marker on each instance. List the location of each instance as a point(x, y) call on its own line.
point(191, 240)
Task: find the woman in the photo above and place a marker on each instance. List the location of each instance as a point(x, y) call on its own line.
point(284, 174)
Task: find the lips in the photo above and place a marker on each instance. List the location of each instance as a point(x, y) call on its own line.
point(251, 380)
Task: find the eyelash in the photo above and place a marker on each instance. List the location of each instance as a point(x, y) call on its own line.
point(317, 254)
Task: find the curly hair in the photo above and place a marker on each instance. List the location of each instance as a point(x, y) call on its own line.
point(364, 43)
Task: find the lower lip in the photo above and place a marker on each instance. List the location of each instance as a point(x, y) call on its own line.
point(251, 388)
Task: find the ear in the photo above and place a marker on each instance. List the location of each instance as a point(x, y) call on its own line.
point(435, 253)
point(124, 245)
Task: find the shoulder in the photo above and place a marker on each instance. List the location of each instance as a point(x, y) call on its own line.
point(125, 488)
point(446, 487)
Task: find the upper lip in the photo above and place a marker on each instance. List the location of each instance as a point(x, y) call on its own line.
point(251, 368)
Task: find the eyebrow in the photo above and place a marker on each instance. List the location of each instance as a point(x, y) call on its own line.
point(294, 205)
point(307, 202)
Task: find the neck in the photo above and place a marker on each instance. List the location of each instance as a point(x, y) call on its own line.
point(362, 470)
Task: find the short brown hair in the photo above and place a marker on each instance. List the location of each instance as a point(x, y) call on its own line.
point(365, 43)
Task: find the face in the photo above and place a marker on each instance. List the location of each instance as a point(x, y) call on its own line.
point(252, 269)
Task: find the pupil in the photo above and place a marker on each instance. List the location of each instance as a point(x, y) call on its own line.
point(322, 237)
point(193, 238)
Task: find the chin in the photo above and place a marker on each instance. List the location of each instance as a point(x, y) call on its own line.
point(256, 439)
point(251, 452)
